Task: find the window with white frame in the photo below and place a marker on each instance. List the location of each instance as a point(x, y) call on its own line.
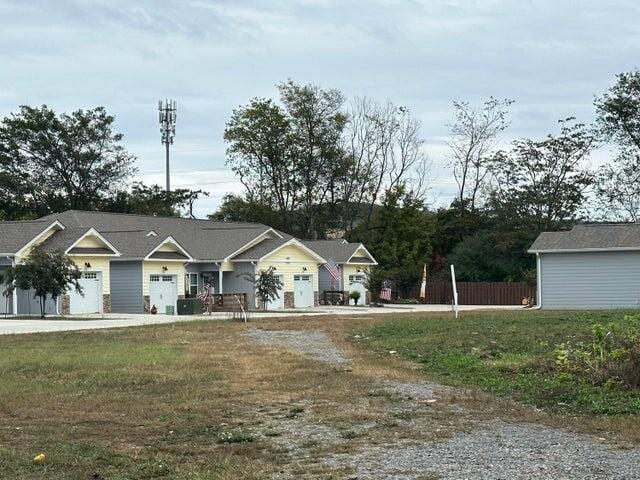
point(190, 285)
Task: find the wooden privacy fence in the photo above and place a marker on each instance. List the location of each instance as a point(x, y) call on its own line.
point(478, 293)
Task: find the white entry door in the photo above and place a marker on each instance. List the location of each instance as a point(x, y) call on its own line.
point(278, 302)
point(356, 283)
point(302, 291)
point(90, 300)
point(163, 292)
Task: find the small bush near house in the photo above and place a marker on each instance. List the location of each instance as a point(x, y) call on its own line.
point(612, 356)
point(355, 296)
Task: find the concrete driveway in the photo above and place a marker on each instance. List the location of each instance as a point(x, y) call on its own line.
point(10, 325)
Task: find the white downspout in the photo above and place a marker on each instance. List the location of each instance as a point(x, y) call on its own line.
point(220, 278)
point(538, 282)
point(255, 297)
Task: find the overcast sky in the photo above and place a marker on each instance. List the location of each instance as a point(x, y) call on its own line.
point(551, 57)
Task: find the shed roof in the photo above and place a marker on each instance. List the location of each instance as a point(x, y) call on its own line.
point(585, 237)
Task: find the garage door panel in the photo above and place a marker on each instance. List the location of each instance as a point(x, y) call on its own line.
point(90, 300)
point(163, 292)
point(590, 280)
point(303, 291)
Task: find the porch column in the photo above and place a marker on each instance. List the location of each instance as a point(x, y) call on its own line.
point(14, 296)
point(220, 279)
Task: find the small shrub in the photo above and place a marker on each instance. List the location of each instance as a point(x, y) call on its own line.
point(610, 358)
point(294, 412)
point(355, 296)
point(235, 437)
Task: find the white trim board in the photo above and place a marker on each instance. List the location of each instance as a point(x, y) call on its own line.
point(95, 233)
point(251, 243)
point(31, 242)
point(172, 241)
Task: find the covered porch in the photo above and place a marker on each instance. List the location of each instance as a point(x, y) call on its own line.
point(221, 285)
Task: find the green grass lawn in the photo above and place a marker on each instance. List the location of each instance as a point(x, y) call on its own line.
point(506, 354)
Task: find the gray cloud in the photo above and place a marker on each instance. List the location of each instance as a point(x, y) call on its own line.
point(552, 57)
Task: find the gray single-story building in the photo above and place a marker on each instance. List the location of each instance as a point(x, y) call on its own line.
point(590, 266)
point(133, 263)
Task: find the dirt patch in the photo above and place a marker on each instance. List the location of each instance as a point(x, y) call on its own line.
point(314, 343)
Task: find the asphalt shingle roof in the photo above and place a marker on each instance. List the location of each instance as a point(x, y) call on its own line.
point(15, 235)
point(203, 239)
point(337, 250)
point(260, 250)
point(590, 236)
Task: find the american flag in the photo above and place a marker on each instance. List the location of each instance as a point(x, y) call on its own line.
point(385, 293)
point(334, 271)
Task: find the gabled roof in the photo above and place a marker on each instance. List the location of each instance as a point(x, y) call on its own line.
point(204, 240)
point(590, 237)
point(339, 251)
point(267, 247)
point(14, 236)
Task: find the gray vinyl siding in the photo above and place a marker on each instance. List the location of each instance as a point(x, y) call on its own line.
point(590, 280)
point(236, 281)
point(324, 280)
point(29, 304)
point(205, 268)
point(126, 287)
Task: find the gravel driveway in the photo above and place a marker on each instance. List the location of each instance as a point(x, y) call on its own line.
point(489, 451)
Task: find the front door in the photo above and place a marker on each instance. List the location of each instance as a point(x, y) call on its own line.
point(163, 293)
point(302, 291)
point(90, 300)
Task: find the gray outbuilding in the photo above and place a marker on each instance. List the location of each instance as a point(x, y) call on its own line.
point(590, 266)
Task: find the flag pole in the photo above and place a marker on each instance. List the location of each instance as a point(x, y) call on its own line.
point(455, 291)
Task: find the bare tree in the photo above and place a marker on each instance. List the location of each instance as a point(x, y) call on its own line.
point(474, 134)
point(385, 149)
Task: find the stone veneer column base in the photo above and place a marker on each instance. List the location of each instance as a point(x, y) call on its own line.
point(316, 299)
point(146, 304)
point(65, 305)
point(367, 297)
point(345, 297)
point(288, 300)
point(106, 303)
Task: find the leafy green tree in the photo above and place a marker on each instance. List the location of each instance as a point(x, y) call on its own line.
point(51, 162)
point(399, 237)
point(289, 156)
point(541, 185)
point(48, 274)
point(235, 208)
point(492, 257)
point(374, 281)
point(153, 200)
point(267, 285)
point(618, 117)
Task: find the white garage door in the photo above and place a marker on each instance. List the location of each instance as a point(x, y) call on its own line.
point(356, 283)
point(302, 291)
point(90, 300)
point(163, 292)
point(278, 302)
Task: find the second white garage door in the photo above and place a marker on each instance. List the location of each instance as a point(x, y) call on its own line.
point(90, 301)
point(163, 292)
point(302, 291)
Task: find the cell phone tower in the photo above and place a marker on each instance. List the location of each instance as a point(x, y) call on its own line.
point(167, 119)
